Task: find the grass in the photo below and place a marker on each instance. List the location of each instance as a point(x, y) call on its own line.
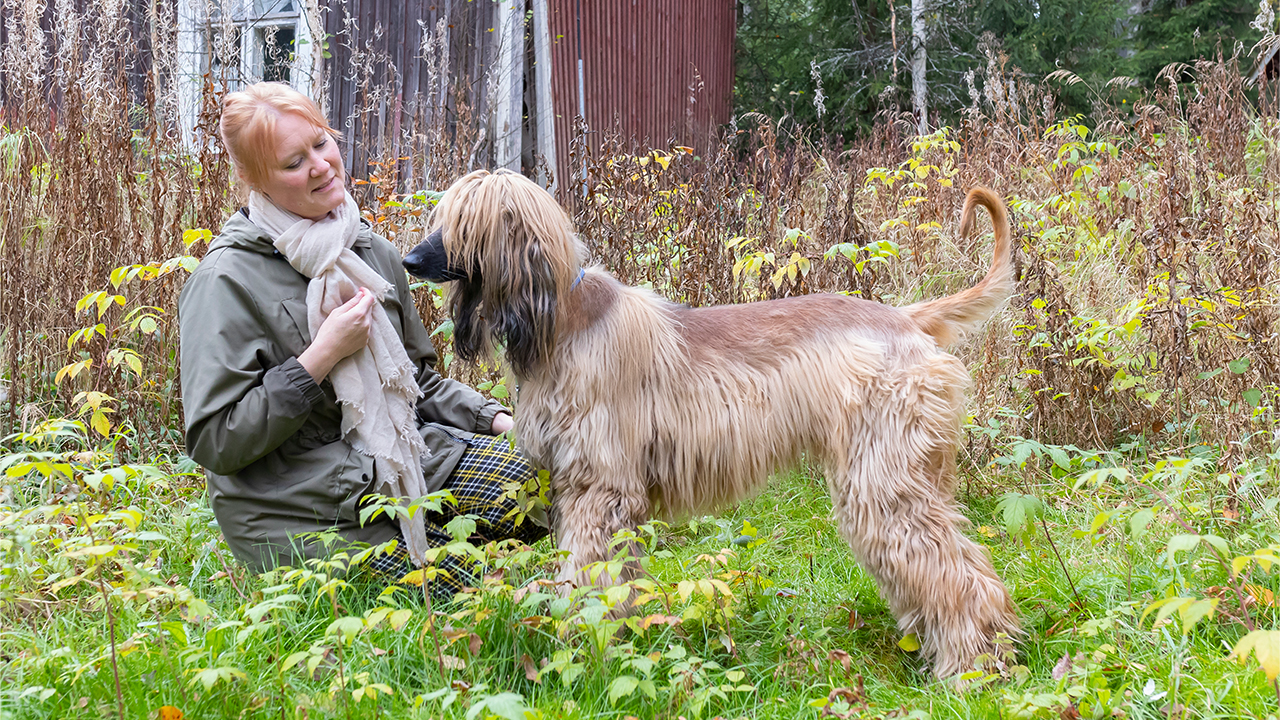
point(195, 632)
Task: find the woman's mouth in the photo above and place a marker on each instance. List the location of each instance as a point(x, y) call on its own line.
point(325, 187)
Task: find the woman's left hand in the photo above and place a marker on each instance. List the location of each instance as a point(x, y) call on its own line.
point(502, 422)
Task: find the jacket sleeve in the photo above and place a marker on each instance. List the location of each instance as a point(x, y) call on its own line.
point(443, 400)
point(237, 409)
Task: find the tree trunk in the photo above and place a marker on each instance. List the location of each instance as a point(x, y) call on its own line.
point(919, 63)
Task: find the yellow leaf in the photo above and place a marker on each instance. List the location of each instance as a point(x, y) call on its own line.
point(1262, 595)
point(399, 618)
point(909, 642)
point(169, 712)
point(1265, 646)
point(100, 423)
point(685, 588)
point(944, 182)
point(72, 370)
point(415, 577)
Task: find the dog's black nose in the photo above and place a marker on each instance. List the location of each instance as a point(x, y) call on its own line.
point(429, 260)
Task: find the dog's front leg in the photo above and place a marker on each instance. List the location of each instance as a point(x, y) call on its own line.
point(587, 515)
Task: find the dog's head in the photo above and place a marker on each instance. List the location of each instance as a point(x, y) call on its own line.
point(511, 251)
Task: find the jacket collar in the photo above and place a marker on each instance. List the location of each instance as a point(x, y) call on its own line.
point(240, 232)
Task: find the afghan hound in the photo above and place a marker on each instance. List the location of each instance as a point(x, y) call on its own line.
point(640, 407)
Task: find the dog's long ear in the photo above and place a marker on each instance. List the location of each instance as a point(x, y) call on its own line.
point(472, 339)
point(520, 256)
point(521, 301)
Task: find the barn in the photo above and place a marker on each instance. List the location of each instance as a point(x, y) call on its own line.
point(651, 70)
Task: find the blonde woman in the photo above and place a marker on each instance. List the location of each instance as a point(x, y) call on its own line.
point(308, 378)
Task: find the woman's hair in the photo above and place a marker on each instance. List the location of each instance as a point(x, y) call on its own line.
point(249, 122)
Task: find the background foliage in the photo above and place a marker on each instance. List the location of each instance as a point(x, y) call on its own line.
point(859, 52)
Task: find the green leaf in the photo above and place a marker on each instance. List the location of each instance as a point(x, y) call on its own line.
point(622, 687)
point(1179, 543)
point(293, 659)
point(1060, 457)
point(208, 677)
point(461, 527)
point(505, 705)
point(1020, 513)
point(909, 642)
point(177, 631)
point(1239, 365)
point(1193, 612)
point(1100, 476)
point(1139, 522)
point(348, 627)
point(1253, 396)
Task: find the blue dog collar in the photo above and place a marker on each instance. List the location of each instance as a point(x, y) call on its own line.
point(581, 273)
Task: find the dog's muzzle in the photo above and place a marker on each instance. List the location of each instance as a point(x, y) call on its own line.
point(429, 261)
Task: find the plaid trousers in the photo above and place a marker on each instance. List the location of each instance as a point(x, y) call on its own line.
point(480, 485)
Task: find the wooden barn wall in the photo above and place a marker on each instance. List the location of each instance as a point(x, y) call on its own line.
point(135, 49)
point(379, 86)
point(656, 70)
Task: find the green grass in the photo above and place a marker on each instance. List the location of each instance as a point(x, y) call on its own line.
point(804, 619)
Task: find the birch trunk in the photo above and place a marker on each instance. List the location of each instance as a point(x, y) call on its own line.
point(919, 64)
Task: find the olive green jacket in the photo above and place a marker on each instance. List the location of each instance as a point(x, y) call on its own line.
point(268, 436)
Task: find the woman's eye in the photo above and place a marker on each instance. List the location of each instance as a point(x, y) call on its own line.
point(321, 142)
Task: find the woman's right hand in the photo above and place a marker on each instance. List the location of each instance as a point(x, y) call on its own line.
point(345, 331)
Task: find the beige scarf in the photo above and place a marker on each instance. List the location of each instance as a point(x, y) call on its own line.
point(377, 386)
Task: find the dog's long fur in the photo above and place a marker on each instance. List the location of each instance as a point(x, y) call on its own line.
point(641, 407)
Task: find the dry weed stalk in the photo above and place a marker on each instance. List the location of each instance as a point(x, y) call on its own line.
point(1175, 215)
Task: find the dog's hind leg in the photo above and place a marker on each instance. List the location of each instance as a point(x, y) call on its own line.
point(893, 503)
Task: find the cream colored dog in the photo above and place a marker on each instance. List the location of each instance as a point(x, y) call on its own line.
point(640, 407)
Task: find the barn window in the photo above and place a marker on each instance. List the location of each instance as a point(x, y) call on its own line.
point(250, 40)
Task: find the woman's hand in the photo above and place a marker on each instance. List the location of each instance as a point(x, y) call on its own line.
point(502, 422)
point(345, 331)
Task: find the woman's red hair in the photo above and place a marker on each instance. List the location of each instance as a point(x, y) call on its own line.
point(248, 125)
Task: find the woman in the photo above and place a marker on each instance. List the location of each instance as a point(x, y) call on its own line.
point(307, 375)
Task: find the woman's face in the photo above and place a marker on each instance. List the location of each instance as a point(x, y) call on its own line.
point(306, 177)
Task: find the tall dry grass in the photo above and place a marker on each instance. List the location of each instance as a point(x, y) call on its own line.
point(92, 176)
point(1146, 247)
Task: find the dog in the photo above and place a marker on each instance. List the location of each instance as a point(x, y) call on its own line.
point(640, 407)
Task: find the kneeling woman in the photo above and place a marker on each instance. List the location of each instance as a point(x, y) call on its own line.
point(308, 378)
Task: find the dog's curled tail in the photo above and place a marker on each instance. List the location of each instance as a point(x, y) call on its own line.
point(949, 317)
